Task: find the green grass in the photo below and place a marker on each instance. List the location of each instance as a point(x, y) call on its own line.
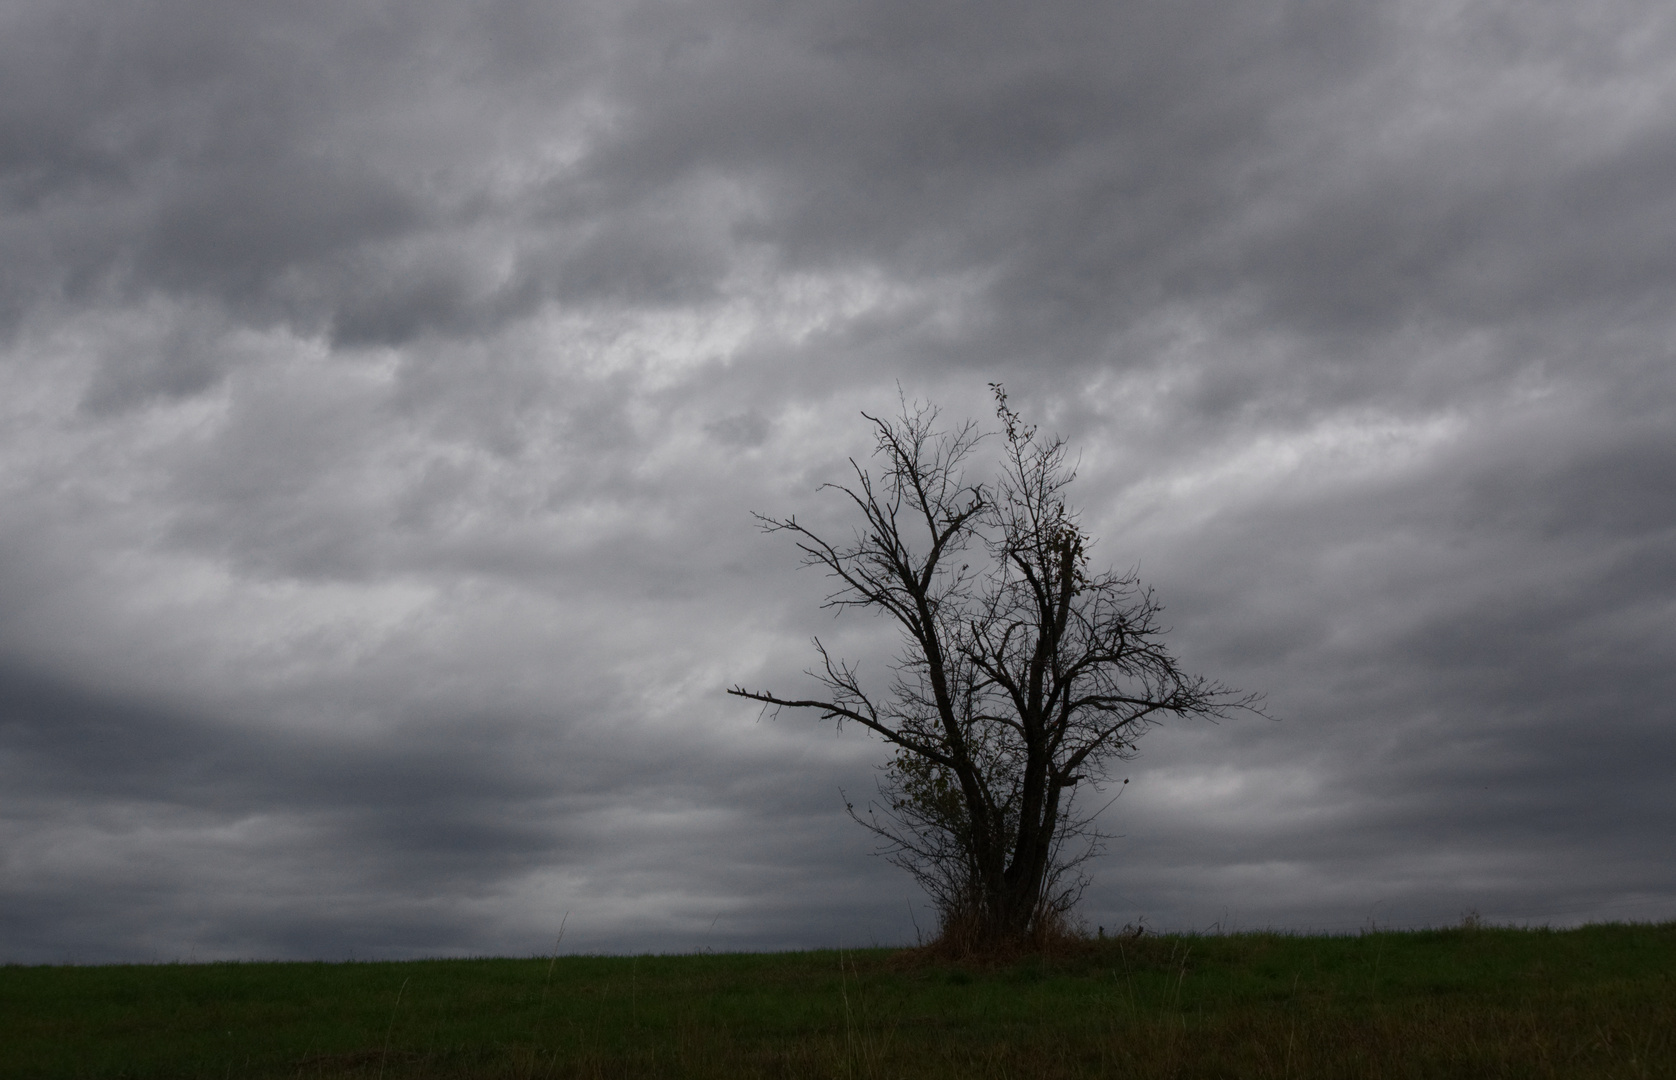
point(1594, 1002)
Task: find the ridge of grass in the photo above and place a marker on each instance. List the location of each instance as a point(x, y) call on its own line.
point(1598, 1001)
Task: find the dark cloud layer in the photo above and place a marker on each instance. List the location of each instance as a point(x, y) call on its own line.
point(386, 390)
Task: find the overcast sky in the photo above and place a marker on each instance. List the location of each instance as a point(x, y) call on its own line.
point(385, 389)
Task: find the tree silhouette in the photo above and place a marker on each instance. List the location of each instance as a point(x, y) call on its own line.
point(1023, 674)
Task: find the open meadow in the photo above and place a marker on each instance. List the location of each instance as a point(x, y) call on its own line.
point(1599, 1001)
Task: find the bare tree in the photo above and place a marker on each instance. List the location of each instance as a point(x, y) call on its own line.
point(1022, 673)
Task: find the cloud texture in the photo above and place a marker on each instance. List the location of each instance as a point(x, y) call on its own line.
point(385, 390)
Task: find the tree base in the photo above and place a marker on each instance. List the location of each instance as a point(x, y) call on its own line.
point(970, 938)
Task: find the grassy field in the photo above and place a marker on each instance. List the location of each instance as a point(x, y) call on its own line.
point(1594, 1002)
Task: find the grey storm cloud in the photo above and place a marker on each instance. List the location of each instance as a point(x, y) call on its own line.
point(385, 391)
